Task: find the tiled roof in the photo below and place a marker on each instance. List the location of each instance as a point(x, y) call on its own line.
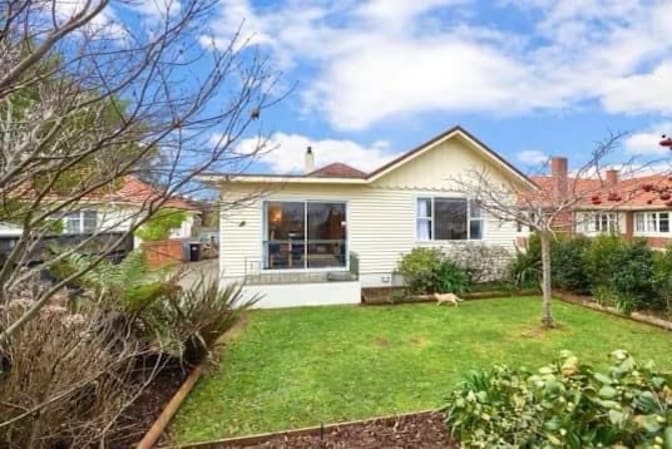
point(628, 193)
point(136, 191)
point(338, 170)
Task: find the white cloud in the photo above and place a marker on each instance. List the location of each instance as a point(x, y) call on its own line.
point(646, 142)
point(641, 93)
point(532, 157)
point(376, 59)
point(285, 152)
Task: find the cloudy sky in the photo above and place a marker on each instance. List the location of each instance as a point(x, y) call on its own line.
point(531, 78)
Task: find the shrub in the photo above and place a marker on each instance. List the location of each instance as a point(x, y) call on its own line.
point(524, 271)
point(662, 279)
point(632, 276)
point(568, 264)
point(450, 278)
point(565, 404)
point(603, 254)
point(419, 268)
point(159, 225)
point(483, 263)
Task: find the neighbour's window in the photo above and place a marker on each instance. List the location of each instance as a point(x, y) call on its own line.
point(605, 222)
point(80, 222)
point(304, 234)
point(448, 219)
point(652, 222)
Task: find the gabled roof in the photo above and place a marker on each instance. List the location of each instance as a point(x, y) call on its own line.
point(342, 173)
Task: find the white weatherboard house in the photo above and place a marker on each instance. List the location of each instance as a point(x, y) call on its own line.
point(318, 238)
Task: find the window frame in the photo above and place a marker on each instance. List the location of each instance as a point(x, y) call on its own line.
point(481, 218)
point(646, 219)
point(81, 220)
point(305, 268)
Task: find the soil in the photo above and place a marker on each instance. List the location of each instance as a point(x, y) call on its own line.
point(149, 405)
point(419, 431)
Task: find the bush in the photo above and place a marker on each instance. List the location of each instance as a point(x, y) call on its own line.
point(662, 279)
point(565, 404)
point(483, 263)
point(419, 268)
point(158, 227)
point(450, 278)
point(568, 264)
point(603, 254)
point(524, 271)
point(632, 276)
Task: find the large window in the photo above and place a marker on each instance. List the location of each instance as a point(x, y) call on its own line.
point(652, 222)
point(448, 219)
point(305, 234)
point(80, 222)
point(597, 223)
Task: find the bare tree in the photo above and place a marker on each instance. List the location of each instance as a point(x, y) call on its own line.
point(550, 208)
point(87, 100)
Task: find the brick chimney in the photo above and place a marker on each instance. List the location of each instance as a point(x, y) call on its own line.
point(612, 177)
point(309, 161)
point(559, 175)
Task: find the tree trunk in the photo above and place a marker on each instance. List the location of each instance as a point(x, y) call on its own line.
point(547, 320)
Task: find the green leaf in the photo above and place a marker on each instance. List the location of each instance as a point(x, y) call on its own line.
point(668, 438)
point(607, 392)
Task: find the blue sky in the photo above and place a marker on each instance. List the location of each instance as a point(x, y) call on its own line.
point(531, 78)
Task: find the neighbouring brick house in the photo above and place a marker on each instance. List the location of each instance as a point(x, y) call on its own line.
point(627, 206)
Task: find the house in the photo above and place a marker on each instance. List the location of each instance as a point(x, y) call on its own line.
point(319, 237)
point(115, 211)
point(630, 206)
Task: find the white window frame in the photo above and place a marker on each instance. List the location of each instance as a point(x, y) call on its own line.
point(431, 219)
point(601, 222)
point(81, 215)
point(648, 223)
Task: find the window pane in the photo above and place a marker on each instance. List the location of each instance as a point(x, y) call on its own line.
point(90, 221)
point(651, 224)
point(450, 216)
point(326, 235)
point(424, 209)
point(639, 223)
point(664, 225)
point(474, 209)
point(72, 223)
point(424, 229)
point(285, 234)
point(476, 229)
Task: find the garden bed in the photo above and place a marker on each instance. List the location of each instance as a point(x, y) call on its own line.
point(397, 295)
point(591, 303)
point(424, 430)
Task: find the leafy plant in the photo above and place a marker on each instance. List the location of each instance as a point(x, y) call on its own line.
point(159, 226)
point(204, 312)
point(419, 268)
point(450, 278)
point(604, 253)
point(662, 279)
point(524, 270)
point(565, 404)
point(568, 265)
point(483, 263)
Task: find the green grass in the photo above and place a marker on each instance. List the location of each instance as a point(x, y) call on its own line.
point(300, 367)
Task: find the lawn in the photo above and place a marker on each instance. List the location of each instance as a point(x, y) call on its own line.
point(300, 367)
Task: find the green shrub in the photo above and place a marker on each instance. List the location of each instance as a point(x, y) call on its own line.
point(419, 267)
point(158, 227)
point(428, 270)
point(565, 404)
point(662, 279)
point(632, 276)
point(524, 270)
point(568, 264)
point(603, 254)
point(450, 278)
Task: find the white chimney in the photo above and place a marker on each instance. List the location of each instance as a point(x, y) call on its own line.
point(309, 165)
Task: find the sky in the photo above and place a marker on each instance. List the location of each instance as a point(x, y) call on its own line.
point(371, 79)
